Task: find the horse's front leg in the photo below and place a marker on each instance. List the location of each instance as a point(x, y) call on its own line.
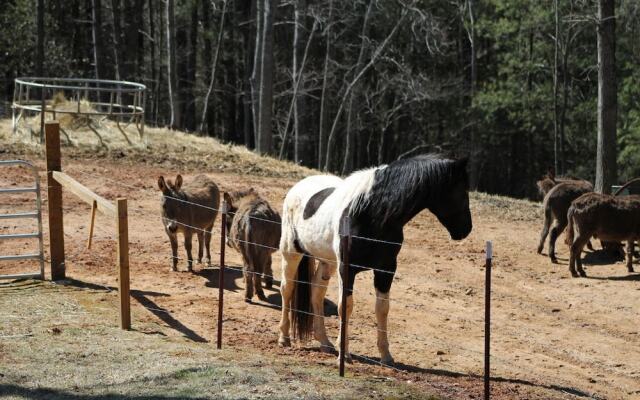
point(290, 263)
point(320, 283)
point(347, 355)
point(382, 313)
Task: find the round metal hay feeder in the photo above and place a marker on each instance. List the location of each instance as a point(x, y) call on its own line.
point(87, 100)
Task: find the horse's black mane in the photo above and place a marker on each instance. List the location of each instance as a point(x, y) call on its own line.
point(404, 185)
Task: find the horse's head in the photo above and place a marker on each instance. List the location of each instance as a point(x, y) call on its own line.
point(452, 206)
point(171, 204)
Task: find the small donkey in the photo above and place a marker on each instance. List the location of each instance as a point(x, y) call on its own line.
point(189, 209)
point(254, 230)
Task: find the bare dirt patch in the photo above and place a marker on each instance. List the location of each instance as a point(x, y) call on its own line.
point(553, 337)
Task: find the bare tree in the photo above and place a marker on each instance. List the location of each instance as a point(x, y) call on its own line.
point(214, 64)
point(347, 91)
point(606, 167)
point(264, 80)
point(40, 38)
point(98, 45)
point(323, 97)
point(171, 64)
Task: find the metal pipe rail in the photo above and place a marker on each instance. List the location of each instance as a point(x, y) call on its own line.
point(25, 215)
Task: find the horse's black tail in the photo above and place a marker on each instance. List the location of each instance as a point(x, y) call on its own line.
point(301, 316)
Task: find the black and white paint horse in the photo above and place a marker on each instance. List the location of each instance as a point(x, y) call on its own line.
point(379, 202)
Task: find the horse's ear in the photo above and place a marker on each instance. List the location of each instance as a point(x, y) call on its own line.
point(178, 184)
point(161, 183)
point(227, 198)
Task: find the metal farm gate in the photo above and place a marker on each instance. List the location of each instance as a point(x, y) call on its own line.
point(36, 213)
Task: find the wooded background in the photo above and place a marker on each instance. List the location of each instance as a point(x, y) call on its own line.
point(342, 85)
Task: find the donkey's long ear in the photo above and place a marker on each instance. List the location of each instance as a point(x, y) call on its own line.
point(161, 183)
point(178, 182)
point(227, 198)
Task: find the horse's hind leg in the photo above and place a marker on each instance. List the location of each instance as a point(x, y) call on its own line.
point(548, 217)
point(382, 282)
point(290, 263)
point(200, 238)
point(630, 255)
point(557, 229)
point(319, 284)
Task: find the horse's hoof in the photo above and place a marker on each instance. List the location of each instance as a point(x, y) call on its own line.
point(328, 348)
point(574, 274)
point(554, 260)
point(247, 300)
point(347, 358)
point(539, 250)
point(388, 361)
point(284, 342)
point(262, 297)
point(582, 273)
point(207, 262)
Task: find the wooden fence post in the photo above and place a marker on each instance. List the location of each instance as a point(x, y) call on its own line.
point(487, 321)
point(94, 208)
point(345, 248)
point(54, 199)
point(223, 237)
point(123, 263)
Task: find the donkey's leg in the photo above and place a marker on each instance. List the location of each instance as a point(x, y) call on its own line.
point(207, 244)
point(248, 282)
point(188, 237)
point(382, 313)
point(576, 253)
point(290, 263)
point(557, 229)
point(320, 281)
point(173, 238)
point(548, 218)
point(267, 274)
point(257, 284)
point(630, 255)
point(200, 245)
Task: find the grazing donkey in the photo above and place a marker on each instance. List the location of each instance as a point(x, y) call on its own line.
point(556, 203)
point(606, 217)
point(189, 209)
point(254, 230)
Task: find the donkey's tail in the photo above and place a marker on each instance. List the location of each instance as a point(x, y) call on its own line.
point(569, 235)
point(301, 315)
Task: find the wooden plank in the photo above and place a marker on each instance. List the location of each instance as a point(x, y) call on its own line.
point(123, 263)
point(54, 193)
point(85, 194)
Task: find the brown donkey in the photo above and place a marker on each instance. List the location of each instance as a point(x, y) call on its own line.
point(254, 230)
point(189, 208)
point(609, 218)
point(550, 180)
point(556, 204)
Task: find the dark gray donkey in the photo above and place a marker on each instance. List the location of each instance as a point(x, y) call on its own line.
point(556, 204)
point(254, 230)
point(189, 208)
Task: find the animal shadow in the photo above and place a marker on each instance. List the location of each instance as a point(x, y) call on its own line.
point(274, 300)
point(231, 277)
point(601, 257)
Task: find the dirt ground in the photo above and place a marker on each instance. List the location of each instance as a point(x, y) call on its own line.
point(553, 337)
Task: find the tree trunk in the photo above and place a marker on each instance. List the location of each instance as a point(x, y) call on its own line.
point(474, 170)
point(264, 144)
point(348, 161)
point(323, 97)
point(40, 39)
point(98, 45)
point(248, 33)
point(171, 64)
point(556, 111)
point(115, 37)
point(300, 122)
point(256, 74)
point(214, 64)
point(606, 168)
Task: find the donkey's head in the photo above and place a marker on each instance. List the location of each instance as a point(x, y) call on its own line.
point(451, 207)
point(547, 182)
point(172, 202)
point(234, 200)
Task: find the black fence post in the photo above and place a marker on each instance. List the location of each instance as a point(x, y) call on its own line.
point(223, 237)
point(487, 321)
point(345, 248)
